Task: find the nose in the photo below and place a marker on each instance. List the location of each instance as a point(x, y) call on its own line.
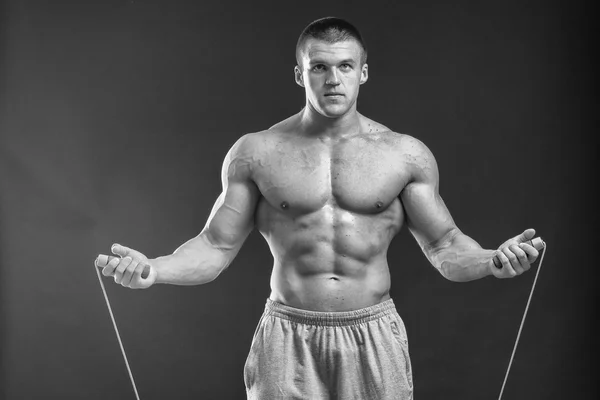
point(332, 77)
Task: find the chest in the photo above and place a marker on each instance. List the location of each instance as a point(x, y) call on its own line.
point(355, 175)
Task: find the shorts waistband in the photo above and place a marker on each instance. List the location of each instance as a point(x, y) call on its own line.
point(321, 318)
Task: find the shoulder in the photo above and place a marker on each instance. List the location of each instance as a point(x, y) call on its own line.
point(368, 126)
point(242, 155)
point(259, 142)
point(407, 146)
point(418, 158)
point(414, 148)
point(415, 157)
point(249, 151)
point(247, 143)
point(255, 143)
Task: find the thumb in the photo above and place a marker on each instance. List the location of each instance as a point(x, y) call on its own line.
point(528, 234)
point(120, 250)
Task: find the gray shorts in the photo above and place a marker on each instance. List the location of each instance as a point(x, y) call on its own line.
point(300, 354)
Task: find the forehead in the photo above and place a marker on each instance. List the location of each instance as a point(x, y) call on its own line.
point(320, 50)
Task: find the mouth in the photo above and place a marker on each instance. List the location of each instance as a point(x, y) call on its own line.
point(333, 95)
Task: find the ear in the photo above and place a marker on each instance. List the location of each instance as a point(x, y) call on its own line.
point(364, 74)
point(298, 76)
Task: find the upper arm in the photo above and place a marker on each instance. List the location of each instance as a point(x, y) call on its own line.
point(232, 217)
point(427, 217)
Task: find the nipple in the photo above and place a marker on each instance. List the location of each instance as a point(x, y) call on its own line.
point(379, 204)
point(285, 205)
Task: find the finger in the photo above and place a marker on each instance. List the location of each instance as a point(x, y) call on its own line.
point(521, 257)
point(530, 251)
point(113, 257)
point(109, 270)
point(507, 268)
point(121, 268)
point(102, 260)
point(120, 250)
point(128, 274)
point(528, 234)
point(514, 261)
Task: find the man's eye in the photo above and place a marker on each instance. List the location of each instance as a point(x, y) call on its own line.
point(346, 66)
point(318, 68)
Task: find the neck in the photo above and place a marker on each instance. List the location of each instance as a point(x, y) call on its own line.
point(315, 123)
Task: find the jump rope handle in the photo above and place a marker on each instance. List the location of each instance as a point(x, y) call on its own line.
point(145, 272)
point(537, 243)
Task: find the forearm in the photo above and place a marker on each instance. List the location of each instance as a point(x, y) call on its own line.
point(196, 262)
point(461, 259)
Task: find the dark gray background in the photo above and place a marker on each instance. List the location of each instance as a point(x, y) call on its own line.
point(115, 117)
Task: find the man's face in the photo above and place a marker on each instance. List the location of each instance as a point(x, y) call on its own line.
point(331, 74)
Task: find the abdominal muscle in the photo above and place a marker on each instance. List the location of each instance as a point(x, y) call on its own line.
point(327, 291)
point(330, 260)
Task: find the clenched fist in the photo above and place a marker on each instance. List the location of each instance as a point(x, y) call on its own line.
point(516, 255)
point(131, 269)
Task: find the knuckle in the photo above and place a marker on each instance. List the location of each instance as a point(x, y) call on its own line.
point(124, 264)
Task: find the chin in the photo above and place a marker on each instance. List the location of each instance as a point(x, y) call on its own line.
point(334, 112)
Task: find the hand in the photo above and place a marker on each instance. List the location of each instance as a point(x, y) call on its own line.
point(127, 268)
point(515, 255)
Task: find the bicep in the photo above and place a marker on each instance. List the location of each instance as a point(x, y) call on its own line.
point(232, 216)
point(427, 216)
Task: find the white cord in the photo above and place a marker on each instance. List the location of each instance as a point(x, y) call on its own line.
point(522, 321)
point(117, 331)
point(505, 377)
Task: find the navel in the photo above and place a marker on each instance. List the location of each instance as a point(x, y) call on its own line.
point(285, 205)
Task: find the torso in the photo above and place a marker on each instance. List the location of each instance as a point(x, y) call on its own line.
point(329, 210)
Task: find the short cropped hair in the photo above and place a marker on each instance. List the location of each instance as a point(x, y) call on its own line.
point(331, 30)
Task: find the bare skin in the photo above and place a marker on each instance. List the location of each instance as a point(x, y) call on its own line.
point(328, 189)
point(329, 209)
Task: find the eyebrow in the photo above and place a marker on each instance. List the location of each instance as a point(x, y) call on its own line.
point(346, 61)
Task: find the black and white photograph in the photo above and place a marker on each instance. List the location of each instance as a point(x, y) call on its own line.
point(283, 200)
